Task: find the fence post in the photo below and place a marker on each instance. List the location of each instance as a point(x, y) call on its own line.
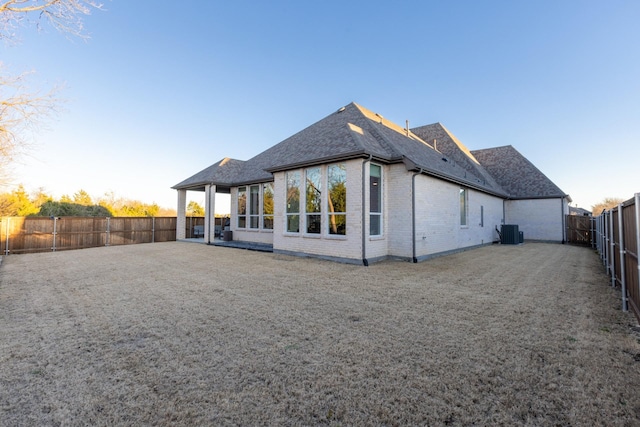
point(108, 230)
point(153, 229)
point(612, 248)
point(6, 245)
point(623, 281)
point(637, 203)
point(605, 240)
point(55, 232)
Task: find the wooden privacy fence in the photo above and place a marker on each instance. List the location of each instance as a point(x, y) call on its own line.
point(617, 239)
point(41, 234)
point(580, 229)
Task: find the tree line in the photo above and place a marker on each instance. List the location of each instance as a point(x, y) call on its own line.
point(20, 203)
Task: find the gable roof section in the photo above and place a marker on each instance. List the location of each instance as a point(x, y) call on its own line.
point(221, 173)
point(454, 150)
point(517, 175)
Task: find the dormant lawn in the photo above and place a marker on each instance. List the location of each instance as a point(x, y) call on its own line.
point(187, 334)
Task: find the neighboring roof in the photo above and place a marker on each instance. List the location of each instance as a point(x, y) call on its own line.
point(578, 211)
point(355, 132)
point(517, 175)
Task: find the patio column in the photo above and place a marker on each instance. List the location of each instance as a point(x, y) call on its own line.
point(209, 213)
point(181, 221)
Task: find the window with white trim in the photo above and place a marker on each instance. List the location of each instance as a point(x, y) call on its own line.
point(267, 206)
point(292, 211)
point(375, 200)
point(337, 198)
point(242, 207)
point(464, 201)
point(254, 206)
point(313, 200)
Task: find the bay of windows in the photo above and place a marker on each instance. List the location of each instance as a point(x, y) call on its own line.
point(319, 210)
point(257, 204)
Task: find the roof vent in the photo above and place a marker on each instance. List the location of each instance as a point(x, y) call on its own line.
point(342, 109)
point(444, 159)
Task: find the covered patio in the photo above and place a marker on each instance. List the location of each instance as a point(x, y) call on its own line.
point(209, 182)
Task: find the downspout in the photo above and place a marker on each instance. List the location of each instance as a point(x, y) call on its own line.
point(365, 262)
point(564, 224)
point(413, 215)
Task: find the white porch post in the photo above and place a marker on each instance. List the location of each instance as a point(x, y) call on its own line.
point(181, 222)
point(209, 213)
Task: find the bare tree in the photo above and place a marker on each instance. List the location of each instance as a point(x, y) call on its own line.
point(606, 204)
point(21, 109)
point(63, 15)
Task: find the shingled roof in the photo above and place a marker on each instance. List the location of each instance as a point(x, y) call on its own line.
point(517, 175)
point(221, 173)
point(446, 143)
point(355, 132)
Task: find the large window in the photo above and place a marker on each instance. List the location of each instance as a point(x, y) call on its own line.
point(375, 200)
point(242, 207)
point(293, 202)
point(463, 206)
point(313, 207)
point(337, 198)
point(254, 206)
point(267, 206)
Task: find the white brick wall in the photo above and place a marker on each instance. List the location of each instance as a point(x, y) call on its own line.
point(438, 226)
point(538, 219)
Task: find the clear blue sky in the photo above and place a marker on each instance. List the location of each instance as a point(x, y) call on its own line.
point(163, 89)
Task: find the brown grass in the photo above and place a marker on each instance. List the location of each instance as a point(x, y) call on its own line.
point(187, 334)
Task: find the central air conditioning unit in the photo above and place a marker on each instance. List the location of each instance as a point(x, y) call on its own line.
point(509, 234)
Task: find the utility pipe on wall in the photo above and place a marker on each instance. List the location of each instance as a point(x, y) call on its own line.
point(365, 261)
point(413, 215)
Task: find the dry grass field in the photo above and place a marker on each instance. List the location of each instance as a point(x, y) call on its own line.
point(187, 334)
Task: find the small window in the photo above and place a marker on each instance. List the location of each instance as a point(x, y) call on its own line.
point(313, 200)
point(463, 207)
point(267, 206)
point(293, 202)
point(375, 200)
point(337, 198)
point(242, 207)
point(254, 206)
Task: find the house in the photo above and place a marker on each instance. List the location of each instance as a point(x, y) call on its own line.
point(578, 211)
point(356, 187)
